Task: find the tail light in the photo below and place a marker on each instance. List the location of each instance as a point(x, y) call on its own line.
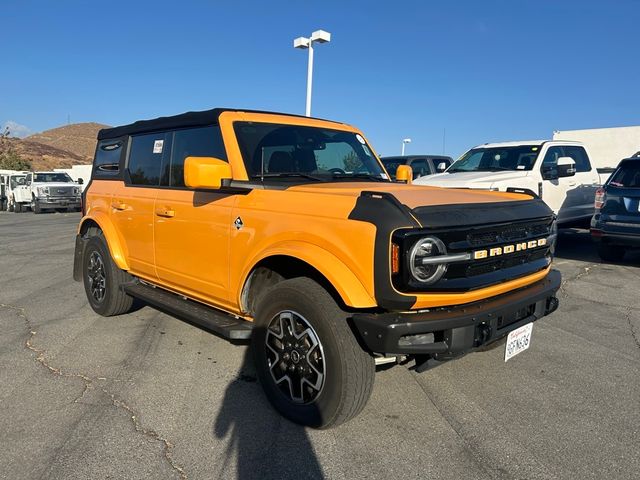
point(600, 195)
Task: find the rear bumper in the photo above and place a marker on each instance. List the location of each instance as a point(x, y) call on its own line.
point(451, 332)
point(624, 231)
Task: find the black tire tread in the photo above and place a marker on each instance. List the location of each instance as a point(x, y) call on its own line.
point(358, 369)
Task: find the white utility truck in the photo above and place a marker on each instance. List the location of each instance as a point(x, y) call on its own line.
point(9, 181)
point(48, 191)
point(559, 172)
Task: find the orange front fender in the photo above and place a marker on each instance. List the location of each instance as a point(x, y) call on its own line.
point(349, 287)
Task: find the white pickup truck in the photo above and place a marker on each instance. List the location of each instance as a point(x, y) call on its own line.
point(559, 172)
point(47, 191)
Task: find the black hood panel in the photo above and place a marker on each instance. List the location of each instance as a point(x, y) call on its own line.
point(461, 215)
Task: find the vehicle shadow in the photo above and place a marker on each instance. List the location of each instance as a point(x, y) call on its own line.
point(576, 244)
point(260, 442)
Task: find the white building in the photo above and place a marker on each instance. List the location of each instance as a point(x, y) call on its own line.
point(607, 146)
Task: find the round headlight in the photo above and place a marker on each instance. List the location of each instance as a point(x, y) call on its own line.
point(427, 272)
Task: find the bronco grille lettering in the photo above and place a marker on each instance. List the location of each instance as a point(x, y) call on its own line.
point(507, 249)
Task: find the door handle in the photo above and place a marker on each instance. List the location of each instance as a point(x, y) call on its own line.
point(118, 205)
point(572, 184)
point(165, 212)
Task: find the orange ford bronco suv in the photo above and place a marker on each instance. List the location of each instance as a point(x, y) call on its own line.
point(287, 230)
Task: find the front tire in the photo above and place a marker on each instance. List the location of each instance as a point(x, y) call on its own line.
point(103, 280)
point(35, 206)
point(611, 253)
point(309, 362)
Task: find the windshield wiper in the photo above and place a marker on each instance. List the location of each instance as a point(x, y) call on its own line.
point(367, 176)
point(291, 174)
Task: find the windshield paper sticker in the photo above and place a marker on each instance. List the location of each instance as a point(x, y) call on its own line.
point(366, 150)
point(359, 138)
point(157, 146)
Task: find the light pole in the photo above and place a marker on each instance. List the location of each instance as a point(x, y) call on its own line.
point(319, 36)
point(404, 142)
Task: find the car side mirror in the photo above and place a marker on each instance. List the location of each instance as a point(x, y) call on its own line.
point(441, 167)
point(566, 167)
point(206, 172)
point(80, 181)
point(404, 173)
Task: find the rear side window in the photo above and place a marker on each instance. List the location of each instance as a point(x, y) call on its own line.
point(145, 158)
point(438, 161)
point(192, 142)
point(627, 176)
point(107, 161)
point(579, 156)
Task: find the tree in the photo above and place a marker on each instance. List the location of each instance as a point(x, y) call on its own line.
point(351, 162)
point(9, 158)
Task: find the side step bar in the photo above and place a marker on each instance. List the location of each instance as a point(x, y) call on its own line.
point(222, 323)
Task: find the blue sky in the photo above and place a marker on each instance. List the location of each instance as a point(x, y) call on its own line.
point(482, 71)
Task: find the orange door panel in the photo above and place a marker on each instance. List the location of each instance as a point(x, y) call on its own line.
point(132, 214)
point(192, 232)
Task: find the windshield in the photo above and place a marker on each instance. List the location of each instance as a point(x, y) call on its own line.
point(305, 154)
point(52, 177)
point(493, 159)
point(16, 180)
point(627, 176)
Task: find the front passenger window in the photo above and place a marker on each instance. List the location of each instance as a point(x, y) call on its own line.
point(552, 156)
point(192, 142)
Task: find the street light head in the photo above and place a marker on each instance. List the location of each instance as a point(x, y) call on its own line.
point(320, 36)
point(406, 140)
point(301, 42)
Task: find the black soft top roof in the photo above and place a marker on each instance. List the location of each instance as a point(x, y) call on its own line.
point(184, 120)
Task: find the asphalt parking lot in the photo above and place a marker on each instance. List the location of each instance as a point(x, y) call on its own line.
point(146, 395)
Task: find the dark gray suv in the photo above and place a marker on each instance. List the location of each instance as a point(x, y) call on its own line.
point(615, 227)
point(420, 164)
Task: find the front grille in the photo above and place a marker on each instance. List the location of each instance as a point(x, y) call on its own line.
point(60, 191)
point(507, 262)
point(474, 274)
point(509, 233)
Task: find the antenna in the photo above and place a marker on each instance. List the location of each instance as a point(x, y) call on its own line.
point(444, 137)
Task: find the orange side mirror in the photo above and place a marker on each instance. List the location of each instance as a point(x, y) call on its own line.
point(206, 172)
point(404, 173)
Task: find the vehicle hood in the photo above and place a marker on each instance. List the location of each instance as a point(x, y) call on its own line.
point(412, 196)
point(54, 184)
point(471, 179)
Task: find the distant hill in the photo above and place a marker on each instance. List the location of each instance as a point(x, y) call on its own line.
point(59, 147)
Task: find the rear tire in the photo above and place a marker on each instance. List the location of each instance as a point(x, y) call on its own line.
point(309, 362)
point(17, 207)
point(103, 280)
point(611, 253)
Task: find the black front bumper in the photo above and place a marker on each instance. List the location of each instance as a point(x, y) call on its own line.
point(449, 332)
